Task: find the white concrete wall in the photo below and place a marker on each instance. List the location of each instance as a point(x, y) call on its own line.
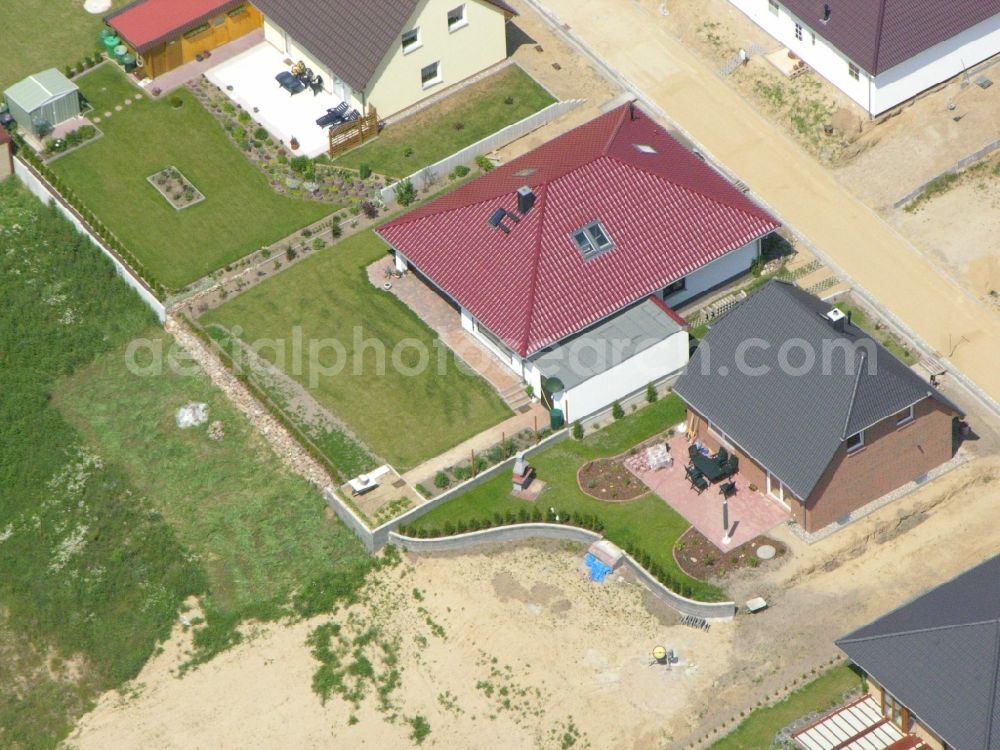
point(630, 376)
point(462, 53)
point(937, 64)
point(892, 87)
point(718, 271)
point(276, 36)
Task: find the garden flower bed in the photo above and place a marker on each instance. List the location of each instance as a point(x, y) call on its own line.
point(175, 188)
point(608, 479)
point(701, 559)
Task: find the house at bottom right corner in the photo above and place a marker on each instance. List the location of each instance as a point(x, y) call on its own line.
point(933, 667)
point(823, 418)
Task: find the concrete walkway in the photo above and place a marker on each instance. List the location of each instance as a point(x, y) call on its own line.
point(883, 265)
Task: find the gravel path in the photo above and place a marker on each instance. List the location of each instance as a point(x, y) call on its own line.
point(288, 449)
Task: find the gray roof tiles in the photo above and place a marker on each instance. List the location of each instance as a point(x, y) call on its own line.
point(350, 37)
point(939, 655)
point(880, 34)
point(793, 423)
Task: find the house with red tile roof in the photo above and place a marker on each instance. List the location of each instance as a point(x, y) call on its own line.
point(882, 53)
point(568, 261)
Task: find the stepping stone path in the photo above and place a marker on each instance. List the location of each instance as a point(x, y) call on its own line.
point(118, 108)
point(97, 120)
point(107, 114)
point(128, 102)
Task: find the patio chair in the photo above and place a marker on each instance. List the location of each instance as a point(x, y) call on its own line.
point(722, 456)
point(694, 450)
point(316, 85)
point(727, 489)
point(698, 483)
point(731, 466)
point(333, 116)
point(352, 116)
point(692, 472)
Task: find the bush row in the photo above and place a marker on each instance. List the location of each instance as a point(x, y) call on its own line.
point(89, 217)
point(71, 140)
point(85, 63)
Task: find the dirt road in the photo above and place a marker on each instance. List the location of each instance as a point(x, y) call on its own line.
point(632, 42)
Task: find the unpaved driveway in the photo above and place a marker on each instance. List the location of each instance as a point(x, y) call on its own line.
point(803, 193)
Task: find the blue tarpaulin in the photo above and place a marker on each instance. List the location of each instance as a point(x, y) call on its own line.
point(598, 570)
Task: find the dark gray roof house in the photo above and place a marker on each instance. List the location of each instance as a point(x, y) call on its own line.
point(939, 657)
point(351, 38)
point(803, 393)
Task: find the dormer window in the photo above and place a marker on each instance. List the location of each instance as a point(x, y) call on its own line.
point(411, 40)
point(456, 18)
point(592, 240)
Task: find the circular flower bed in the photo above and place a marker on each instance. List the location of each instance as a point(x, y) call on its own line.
point(607, 479)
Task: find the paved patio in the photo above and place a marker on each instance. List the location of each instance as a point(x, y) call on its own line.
point(248, 79)
point(750, 513)
point(195, 69)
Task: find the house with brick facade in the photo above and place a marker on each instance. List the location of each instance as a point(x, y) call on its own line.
point(566, 262)
point(823, 418)
point(933, 665)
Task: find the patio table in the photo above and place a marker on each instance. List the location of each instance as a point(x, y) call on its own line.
point(711, 468)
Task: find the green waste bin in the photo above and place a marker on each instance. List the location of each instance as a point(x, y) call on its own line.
point(120, 51)
point(110, 42)
point(105, 33)
point(556, 420)
point(129, 62)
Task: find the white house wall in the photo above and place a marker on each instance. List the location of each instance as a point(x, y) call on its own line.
point(717, 272)
point(939, 63)
point(632, 375)
point(462, 53)
point(892, 87)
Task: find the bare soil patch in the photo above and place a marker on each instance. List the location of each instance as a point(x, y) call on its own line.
point(700, 558)
point(608, 479)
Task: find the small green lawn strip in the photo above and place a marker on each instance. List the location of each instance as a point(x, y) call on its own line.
point(480, 109)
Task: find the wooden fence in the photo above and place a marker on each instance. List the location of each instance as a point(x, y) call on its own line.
point(352, 134)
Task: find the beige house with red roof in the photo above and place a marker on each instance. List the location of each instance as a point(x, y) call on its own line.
point(566, 262)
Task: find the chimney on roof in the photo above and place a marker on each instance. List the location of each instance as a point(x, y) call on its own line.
point(836, 319)
point(525, 200)
point(827, 11)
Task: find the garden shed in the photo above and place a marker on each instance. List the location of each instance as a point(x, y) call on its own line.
point(43, 100)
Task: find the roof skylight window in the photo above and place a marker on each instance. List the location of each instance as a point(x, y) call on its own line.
point(592, 240)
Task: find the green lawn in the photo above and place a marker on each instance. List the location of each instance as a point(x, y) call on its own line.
point(480, 110)
point(39, 34)
point(404, 418)
point(757, 732)
point(104, 87)
point(240, 213)
point(884, 337)
point(647, 523)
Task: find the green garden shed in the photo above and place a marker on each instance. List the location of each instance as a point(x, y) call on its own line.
point(43, 100)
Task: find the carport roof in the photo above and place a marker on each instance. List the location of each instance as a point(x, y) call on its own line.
point(40, 88)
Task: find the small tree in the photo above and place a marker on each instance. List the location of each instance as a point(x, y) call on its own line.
point(577, 431)
point(365, 171)
point(617, 411)
point(650, 394)
point(405, 193)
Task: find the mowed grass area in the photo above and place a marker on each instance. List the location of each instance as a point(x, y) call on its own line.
point(111, 516)
point(822, 694)
point(648, 523)
point(403, 409)
point(50, 34)
point(240, 212)
point(104, 87)
point(480, 109)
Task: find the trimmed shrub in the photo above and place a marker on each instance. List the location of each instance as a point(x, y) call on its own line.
point(370, 209)
point(441, 480)
point(650, 394)
point(484, 164)
point(577, 431)
point(365, 171)
point(176, 102)
point(406, 193)
point(260, 134)
point(616, 410)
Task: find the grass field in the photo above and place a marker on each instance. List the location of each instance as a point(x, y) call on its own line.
point(648, 523)
point(481, 109)
point(50, 34)
point(240, 214)
point(404, 418)
point(758, 730)
point(104, 87)
point(110, 516)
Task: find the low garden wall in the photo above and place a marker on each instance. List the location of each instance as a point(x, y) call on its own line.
point(44, 192)
point(534, 531)
point(375, 539)
point(467, 156)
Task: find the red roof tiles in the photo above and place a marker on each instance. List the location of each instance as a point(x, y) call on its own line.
point(667, 213)
point(148, 23)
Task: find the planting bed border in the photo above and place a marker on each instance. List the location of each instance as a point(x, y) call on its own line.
point(200, 196)
point(612, 501)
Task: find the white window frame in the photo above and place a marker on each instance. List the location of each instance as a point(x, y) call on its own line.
point(859, 446)
point(462, 22)
point(772, 5)
point(416, 44)
point(798, 31)
point(905, 417)
point(591, 248)
point(854, 71)
point(428, 83)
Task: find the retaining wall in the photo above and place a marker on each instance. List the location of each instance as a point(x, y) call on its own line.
point(958, 166)
point(375, 539)
point(467, 156)
point(534, 531)
point(41, 189)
